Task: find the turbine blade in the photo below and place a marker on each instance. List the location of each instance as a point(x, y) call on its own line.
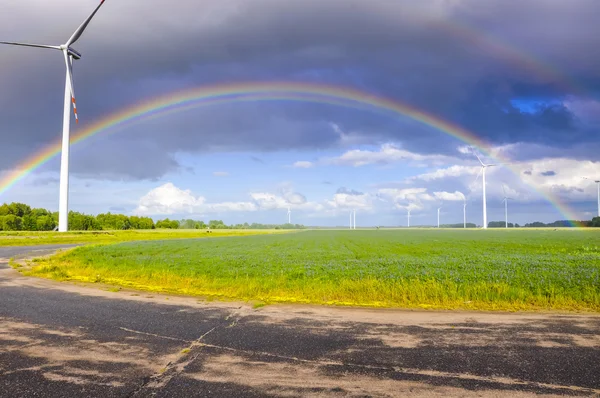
point(478, 158)
point(30, 45)
point(478, 174)
point(84, 25)
point(69, 65)
point(503, 190)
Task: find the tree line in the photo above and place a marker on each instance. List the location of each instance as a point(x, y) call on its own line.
point(594, 222)
point(21, 217)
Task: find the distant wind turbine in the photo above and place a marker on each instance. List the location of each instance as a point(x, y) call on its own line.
point(482, 173)
point(505, 200)
point(408, 217)
point(598, 185)
point(353, 219)
point(439, 208)
point(289, 214)
point(69, 54)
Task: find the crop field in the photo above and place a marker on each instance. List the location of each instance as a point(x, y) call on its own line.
point(28, 238)
point(443, 269)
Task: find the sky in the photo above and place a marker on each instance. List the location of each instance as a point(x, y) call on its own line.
point(524, 77)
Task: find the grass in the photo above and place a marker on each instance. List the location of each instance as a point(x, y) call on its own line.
point(442, 269)
point(26, 238)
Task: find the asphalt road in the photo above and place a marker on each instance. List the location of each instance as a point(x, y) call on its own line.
point(67, 340)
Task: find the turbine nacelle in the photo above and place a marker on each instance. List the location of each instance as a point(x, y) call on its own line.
point(73, 53)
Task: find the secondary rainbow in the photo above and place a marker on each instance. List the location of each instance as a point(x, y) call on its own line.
point(260, 91)
point(501, 49)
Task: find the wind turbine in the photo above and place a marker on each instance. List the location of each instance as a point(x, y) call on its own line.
point(353, 219)
point(408, 217)
point(439, 208)
point(69, 54)
point(482, 172)
point(505, 200)
point(598, 184)
point(289, 214)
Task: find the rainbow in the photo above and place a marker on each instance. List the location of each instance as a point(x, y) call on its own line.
point(259, 91)
point(500, 49)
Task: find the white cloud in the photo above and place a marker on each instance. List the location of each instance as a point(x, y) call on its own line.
point(269, 201)
point(344, 201)
point(562, 176)
point(464, 149)
point(303, 164)
point(220, 173)
point(407, 198)
point(449, 196)
point(168, 199)
point(230, 207)
point(347, 139)
point(452, 171)
point(387, 154)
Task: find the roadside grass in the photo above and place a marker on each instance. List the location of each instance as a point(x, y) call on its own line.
point(446, 269)
point(27, 238)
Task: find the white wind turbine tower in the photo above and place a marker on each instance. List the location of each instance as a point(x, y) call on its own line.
point(353, 219)
point(598, 185)
point(482, 172)
point(408, 217)
point(505, 200)
point(289, 214)
point(438, 212)
point(69, 54)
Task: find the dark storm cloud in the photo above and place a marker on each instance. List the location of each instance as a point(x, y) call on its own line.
point(123, 159)
point(405, 50)
point(46, 181)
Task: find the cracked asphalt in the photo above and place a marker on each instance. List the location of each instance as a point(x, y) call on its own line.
point(69, 340)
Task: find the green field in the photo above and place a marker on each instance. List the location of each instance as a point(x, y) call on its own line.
point(451, 269)
point(28, 238)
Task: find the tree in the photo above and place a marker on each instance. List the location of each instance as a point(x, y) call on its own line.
point(141, 222)
point(10, 222)
point(187, 224)
point(83, 222)
point(29, 222)
point(216, 224)
point(45, 223)
point(18, 209)
point(166, 223)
